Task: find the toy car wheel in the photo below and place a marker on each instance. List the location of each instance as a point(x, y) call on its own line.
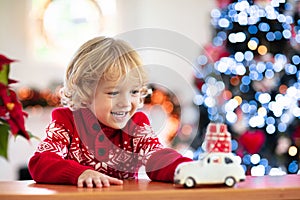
point(230, 181)
point(189, 182)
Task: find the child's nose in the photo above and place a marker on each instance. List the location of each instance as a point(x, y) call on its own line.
point(124, 100)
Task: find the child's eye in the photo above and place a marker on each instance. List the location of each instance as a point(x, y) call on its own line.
point(113, 93)
point(135, 92)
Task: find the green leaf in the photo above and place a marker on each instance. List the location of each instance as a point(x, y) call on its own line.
point(4, 74)
point(4, 132)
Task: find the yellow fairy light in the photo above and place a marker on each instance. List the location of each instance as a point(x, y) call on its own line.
point(262, 111)
point(293, 150)
point(262, 50)
point(238, 99)
point(252, 45)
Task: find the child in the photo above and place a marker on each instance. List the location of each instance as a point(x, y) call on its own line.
point(100, 137)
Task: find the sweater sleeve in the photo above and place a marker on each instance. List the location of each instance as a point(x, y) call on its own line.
point(162, 164)
point(48, 167)
point(49, 164)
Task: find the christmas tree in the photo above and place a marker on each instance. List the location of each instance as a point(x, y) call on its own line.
point(249, 78)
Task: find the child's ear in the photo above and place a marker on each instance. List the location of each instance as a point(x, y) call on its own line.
point(141, 103)
point(145, 91)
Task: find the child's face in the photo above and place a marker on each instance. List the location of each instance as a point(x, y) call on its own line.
point(115, 102)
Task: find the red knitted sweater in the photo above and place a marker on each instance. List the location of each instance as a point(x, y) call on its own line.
point(76, 141)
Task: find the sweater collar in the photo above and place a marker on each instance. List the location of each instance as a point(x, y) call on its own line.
point(87, 123)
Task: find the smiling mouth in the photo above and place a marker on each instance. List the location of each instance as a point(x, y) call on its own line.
point(120, 114)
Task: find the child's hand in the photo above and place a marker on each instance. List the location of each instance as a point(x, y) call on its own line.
point(91, 178)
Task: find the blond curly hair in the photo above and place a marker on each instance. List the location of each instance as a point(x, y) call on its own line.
point(101, 58)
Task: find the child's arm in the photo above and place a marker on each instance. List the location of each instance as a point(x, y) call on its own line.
point(162, 164)
point(48, 167)
point(49, 164)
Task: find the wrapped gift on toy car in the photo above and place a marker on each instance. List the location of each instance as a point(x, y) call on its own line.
point(217, 138)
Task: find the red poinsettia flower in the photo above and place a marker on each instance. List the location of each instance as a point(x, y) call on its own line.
point(4, 60)
point(11, 110)
point(16, 115)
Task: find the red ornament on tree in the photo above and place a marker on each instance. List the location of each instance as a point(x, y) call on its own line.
point(252, 141)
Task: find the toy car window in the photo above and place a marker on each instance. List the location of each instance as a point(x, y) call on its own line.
point(228, 160)
point(214, 159)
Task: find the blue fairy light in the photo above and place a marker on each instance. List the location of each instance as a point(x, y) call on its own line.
point(198, 99)
point(247, 159)
point(270, 36)
point(232, 13)
point(264, 162)
point(270, 129)
point(270, 120)
point(296, 59)
point(253, 103)
point(280, 58)
point(253, 109)
point(248, 56)
point(224, 23)
point(290, 69)
point(281, 18)
point(217, 41)
point(215, 13)
point(278, 35)
point(264, 27)
point(286, 26)
point(260, 67)
point(223, 35)
point(202, 60)
point(289, 19)
point(239, 56)
point(246, 80)
point(234, 145)
point(264, 98)
point(269, 73)
point(269, 66)
point(244, 88)
point(260, 77)
point(282, 127)
point(288, 6)
point(252, 29)
point(253, 75)
point(287, 34)
point(293, 167)
point(245, 108)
